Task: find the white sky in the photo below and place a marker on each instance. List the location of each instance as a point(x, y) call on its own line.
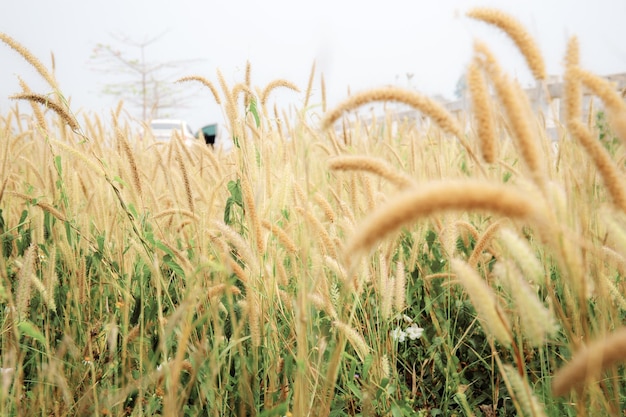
point(360, 44)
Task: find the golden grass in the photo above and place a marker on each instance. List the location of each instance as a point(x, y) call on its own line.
point(329, 239)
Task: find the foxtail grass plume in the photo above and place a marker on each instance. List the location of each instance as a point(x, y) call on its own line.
point(484, 301)
point(435, 197)
point(46, 102)
point(280, 83)
point(482, 112)
point(572, 90)
point(611, 176)
point(30, 58)
point(520, 36)
point(208, 84)
point(537, 322)
point(419, 102)
point(355, 339)
point(519, 250)
point(370, 164)
point(515, 104)
point(613, 100)
point(523, 393)
point(590, 361)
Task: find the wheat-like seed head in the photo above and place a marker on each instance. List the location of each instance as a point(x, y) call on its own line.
point(130, 155)
point(24, 282)
point(514, 29)
point(41, 120)
point(251, 211)
point(613, 100)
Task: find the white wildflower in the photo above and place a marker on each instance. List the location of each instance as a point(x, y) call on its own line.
point(414, 332)
point(398, 334)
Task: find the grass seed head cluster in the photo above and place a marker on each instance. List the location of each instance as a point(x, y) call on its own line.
point(356, 266)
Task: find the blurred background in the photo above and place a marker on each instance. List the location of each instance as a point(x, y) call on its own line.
point(422, 45)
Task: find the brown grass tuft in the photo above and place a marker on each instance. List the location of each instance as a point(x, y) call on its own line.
point(589, 362)
point(514, 29)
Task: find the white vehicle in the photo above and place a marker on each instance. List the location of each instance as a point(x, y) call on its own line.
point(164, 129)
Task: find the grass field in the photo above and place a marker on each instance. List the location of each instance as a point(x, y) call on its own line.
point(328, 265)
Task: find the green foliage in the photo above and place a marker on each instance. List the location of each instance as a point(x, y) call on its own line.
point(605, 133)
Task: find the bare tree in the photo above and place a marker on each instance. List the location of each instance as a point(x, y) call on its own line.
point(147, 85)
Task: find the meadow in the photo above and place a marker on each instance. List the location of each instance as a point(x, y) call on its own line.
point(329, 265)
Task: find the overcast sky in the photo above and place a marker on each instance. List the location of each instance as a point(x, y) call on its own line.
point(356, 44)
